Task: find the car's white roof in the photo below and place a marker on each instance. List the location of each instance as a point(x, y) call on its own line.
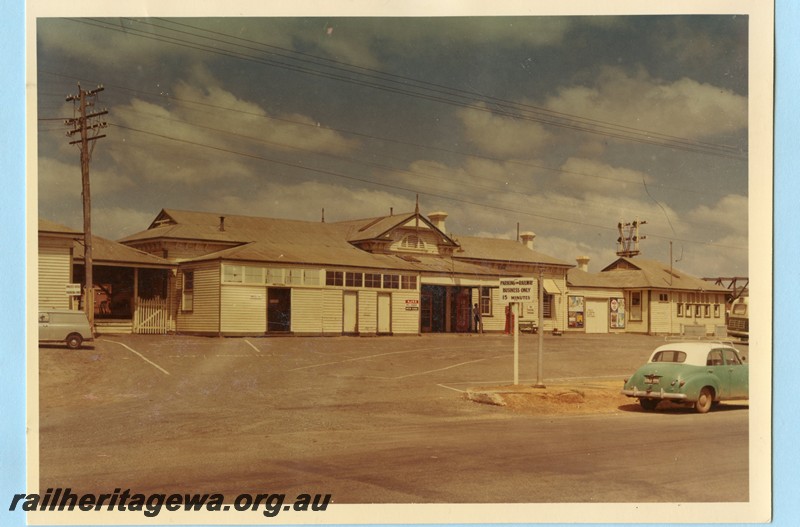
point(696, 352)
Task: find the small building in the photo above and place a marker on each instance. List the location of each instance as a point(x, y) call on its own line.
point(55, 264)
point(636, 295)
point(396, 274)
point(131, 287)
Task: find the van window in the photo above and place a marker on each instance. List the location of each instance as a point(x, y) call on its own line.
point(740, 309)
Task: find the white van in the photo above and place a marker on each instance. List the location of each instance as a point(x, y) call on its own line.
point(739, 318)
point(69, 327)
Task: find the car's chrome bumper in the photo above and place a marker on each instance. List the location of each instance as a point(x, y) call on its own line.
point(660, 394)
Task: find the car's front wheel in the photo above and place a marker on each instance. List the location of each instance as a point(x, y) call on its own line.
point(705, 400)
point(648, 405)
point(74, 341)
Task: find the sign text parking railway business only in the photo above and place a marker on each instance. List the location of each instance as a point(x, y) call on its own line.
point(517, 290)
point(514, 291)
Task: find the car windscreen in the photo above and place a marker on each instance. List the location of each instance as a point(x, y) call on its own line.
point(669, 356)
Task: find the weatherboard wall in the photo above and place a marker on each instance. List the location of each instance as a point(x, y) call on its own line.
point(55, 264)
point(307, 310)
point(244, 309)
point(405, 312)
point(368, 312)
point(204, 317)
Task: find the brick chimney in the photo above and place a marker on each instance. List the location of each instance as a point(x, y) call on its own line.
point(438, 220)
point(527, 239)
point(583, 263)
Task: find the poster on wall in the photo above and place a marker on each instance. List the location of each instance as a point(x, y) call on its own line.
point(617, 310)
point(575, 311)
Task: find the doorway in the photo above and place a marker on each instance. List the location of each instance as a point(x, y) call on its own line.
point(433, 315)
point(279, 310)
point(350, 315)
point(461, 311)
point(596, 315)
point(384, 313)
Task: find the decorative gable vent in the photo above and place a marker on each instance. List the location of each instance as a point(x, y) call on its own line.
point(416, 242)
point(412, 241)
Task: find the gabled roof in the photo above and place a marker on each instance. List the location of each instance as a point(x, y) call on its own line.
point(501, 250)
point(578, 278)
point(254, 238)
point(631, 273)
point(51, 227)
point(344, 255)
point(108, 252)
point(380, 227)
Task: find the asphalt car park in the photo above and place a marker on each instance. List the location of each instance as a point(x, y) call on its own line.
point(378, 419)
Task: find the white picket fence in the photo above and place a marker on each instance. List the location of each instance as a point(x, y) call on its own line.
point(151, 316)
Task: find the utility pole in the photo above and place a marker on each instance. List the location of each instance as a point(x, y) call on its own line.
point(88, 126)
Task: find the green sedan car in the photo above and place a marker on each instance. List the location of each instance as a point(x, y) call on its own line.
point(700, 374)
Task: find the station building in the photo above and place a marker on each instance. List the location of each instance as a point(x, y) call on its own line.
point(401, 274)
point(637, 295)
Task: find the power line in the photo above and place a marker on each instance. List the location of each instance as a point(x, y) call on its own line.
point(470, 95)
point(394, 186)
point(573, 123)
point(525, 164)
point(437, 178)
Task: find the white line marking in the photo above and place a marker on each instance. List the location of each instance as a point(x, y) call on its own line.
point(363, 358)
point(451, 388)
point(139, 354)
point(251, 345)
point(439, 369)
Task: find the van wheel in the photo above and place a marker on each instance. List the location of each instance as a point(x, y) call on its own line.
point(74, 341)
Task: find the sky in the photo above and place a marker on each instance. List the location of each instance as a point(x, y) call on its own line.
point(563, 126)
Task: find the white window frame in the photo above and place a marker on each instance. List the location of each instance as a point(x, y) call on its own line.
point(187, 291)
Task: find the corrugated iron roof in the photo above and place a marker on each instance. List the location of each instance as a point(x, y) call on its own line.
point(372, 228)
point(500, 250)
point(110, 252)
point(579, 278)
point(294, 253)
point(56, 228)
point(633, 273)
point(323, 243)
point(375, 228)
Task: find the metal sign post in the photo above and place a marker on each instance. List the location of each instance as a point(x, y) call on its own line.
point(515, 314)
point(540, 353)
point(513, 291)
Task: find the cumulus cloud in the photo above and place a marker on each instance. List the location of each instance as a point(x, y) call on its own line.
point(587, 176)
point(211, 134)
point(728, 215)
point(684, 108)
point(503, 136)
